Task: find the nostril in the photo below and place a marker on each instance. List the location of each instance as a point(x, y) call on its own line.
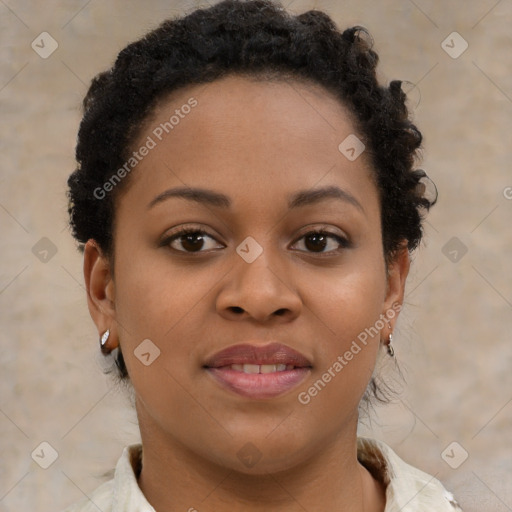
point(237, 309)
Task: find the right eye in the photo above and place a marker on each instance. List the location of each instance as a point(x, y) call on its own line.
point(190, 239)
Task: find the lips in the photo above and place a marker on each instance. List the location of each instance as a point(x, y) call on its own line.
point(271, 354)
point(258, 372)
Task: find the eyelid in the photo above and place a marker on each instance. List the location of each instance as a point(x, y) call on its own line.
point(322, 228)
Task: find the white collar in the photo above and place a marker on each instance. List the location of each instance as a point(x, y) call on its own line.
point(407, 488)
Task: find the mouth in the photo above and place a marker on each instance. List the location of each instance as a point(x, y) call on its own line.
point(258, 372)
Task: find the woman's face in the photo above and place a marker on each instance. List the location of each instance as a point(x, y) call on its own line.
point(256, 277)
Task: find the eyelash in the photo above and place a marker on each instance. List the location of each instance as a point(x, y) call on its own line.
point(343, 242)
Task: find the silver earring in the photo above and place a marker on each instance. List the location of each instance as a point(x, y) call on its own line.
point(103, 341)
point(391, 350)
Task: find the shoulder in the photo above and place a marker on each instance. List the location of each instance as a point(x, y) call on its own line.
point(100, 499)
point(408, 489)
point(122, 493)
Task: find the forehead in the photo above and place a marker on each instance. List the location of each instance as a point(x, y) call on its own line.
point(243, 103)
point(248, 135)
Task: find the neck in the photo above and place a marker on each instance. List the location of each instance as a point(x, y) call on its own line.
point(173, 479)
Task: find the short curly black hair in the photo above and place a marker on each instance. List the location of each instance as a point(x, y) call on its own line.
point(261, 39)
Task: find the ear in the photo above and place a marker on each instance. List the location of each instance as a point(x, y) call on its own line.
point(397, 272)
point(100, 289)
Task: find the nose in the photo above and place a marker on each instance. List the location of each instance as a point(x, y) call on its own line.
point(261, 290)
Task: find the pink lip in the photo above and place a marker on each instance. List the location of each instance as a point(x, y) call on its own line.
point(258, 385)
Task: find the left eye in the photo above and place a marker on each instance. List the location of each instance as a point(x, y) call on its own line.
point(317, 241)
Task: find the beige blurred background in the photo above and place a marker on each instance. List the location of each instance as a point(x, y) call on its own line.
point(454, 338)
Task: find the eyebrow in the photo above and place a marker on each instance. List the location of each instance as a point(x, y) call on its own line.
point(299, 199)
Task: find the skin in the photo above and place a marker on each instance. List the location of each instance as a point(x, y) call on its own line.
point(258, 142)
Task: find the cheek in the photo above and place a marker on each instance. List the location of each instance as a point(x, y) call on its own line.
point(346, 301)
point(160, 304)
point(347, 315)
point(153, 296)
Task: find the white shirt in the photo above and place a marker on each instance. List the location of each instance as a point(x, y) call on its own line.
point(407, 489)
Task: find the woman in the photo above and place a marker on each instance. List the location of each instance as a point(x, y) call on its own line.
point(247, 203)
